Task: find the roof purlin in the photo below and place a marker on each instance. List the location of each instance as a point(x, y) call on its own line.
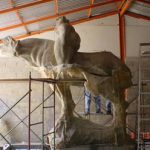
point(139, 16)
point(19, 17)
point(90, 10)
point(56, 7)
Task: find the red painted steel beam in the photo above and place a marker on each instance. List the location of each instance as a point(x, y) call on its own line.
point(55, 16)
point(19, 17)
point(124, 8)
point(90, 10)
point(122, 38)
point(121, 4)
point(138, 16)
point(24, 6)
point(56, 7)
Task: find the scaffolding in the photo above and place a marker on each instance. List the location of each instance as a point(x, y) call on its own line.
point(43, 145)
point(28, 94)
point(49, 81)
point(30, 111)
point(143, 129)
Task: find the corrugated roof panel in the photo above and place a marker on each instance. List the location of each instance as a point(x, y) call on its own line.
point(33, 27)
point(23, 2)
point(47, 23)
point(12, 32)
point(41, 25)
point(5, 4)
point(104, 9)
point(37, 11)
point(100, 1)
point(66, 5)
point(9, 19)
point(78, 15)
point(140, 8)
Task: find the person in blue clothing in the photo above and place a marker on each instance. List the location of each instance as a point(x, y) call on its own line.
point(97, 99)
point(108, 107)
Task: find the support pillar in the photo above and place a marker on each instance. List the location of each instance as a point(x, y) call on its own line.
point(122, 38)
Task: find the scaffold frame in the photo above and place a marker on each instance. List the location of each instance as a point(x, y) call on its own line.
point(28, 93)
point(140, 114)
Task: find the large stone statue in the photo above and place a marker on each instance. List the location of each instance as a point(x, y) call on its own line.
point(105, 74)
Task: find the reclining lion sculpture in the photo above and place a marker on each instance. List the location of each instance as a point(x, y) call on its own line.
point(104, 73)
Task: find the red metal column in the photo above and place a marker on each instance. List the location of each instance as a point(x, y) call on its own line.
point(122, 44)
point(122, 10)
point(122, 38)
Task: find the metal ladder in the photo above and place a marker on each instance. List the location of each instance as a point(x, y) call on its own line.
point(143, 131)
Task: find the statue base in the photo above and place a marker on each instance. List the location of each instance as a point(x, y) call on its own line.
point(78, 131)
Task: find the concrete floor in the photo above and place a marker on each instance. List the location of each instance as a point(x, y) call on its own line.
point(101, 147)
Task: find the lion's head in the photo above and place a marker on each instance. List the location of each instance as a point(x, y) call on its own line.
point(8, 48)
